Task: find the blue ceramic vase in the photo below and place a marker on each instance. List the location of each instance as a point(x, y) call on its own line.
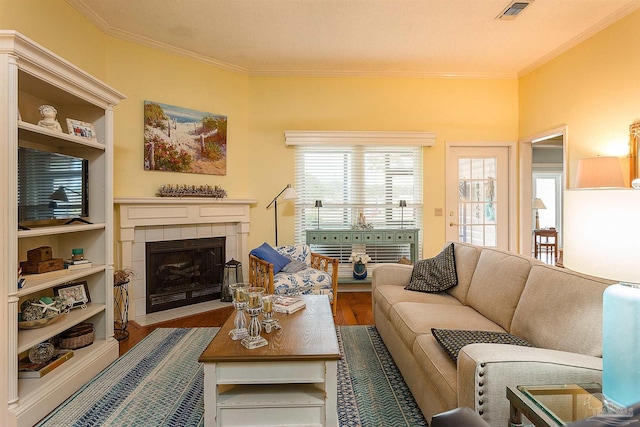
point(359, 270)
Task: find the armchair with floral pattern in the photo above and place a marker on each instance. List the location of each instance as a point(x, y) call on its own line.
point(308, 273)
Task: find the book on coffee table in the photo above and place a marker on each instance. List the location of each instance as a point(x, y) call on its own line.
point(288, 305)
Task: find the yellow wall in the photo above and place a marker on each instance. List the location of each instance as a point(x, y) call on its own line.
point(144, 74)
point(58, 27)
point(593, 89)
point(260, 109)
point(457, 110)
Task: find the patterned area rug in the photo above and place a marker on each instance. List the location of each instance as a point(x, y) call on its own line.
point(159, 382)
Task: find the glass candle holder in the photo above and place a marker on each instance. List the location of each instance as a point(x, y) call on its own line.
point(268, 322)
point(239, 303)
point(254, 308)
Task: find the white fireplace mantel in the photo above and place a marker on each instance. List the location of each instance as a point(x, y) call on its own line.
point(179, 216)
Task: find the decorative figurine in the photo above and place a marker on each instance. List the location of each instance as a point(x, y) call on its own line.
point(49, 121)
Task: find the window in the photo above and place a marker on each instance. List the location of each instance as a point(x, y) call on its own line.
point(353, 180)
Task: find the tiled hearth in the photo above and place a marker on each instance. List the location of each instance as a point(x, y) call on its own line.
point(154, 219)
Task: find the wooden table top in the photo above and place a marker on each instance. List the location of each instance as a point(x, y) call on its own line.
point(307, 334)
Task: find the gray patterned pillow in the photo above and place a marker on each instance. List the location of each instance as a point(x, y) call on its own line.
point(435, 274)
point(452, 340)
point(294, 267)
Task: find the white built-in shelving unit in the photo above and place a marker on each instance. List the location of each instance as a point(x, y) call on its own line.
point(31, 75)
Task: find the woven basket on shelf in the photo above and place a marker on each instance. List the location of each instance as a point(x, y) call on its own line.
point(78, 336)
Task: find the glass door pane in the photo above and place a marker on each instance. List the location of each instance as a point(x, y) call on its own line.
point(477, 200)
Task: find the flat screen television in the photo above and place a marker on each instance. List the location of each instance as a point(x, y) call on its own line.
point(51, 186)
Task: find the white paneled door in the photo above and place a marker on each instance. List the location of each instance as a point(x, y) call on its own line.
point(477, 196)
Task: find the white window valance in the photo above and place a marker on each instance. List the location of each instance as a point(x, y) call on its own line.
point(305, 137)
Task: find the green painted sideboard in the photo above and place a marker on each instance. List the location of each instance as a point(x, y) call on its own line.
point(396, 236)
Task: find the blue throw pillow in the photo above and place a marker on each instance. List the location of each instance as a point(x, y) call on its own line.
point(266, 253)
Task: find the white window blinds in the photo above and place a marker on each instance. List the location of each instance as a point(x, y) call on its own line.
point(40, 174)
point(358, 179)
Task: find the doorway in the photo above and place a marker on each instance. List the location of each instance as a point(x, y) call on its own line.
point(478, 193)
point(543, 170)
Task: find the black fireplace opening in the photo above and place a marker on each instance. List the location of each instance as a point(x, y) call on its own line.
point(184, 272)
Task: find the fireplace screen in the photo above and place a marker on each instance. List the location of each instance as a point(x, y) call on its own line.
point(184, 272)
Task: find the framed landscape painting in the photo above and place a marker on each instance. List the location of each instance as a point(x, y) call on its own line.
point(178, 139)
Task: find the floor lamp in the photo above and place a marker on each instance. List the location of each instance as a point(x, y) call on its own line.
point(289, 194)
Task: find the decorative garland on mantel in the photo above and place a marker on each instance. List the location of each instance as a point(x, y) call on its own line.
point(169, 190)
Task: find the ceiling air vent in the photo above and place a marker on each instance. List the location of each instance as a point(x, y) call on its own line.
point(514, 9)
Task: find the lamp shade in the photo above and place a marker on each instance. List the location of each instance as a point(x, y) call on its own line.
point(602, 238)
point(289, 194)
point(538, 204)
point(599, 172)
point(60, 195)
point(318, 204)
point(403, 203)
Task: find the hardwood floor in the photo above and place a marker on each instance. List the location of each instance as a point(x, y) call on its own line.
point(354, 308)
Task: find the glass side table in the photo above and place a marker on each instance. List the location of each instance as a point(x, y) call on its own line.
point(554, 405)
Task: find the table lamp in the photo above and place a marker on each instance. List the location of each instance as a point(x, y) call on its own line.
point(538, 204)
point(402, 204)
point(602, 238)
point(318, 205)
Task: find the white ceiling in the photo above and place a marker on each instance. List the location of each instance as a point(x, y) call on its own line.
point(358, 37)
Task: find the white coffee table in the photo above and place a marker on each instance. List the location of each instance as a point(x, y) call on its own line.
point(291, 381)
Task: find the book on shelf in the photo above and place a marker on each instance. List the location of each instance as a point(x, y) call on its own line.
point(77, 265)
point(78, 261)
point(288, 305)
point(28, 369)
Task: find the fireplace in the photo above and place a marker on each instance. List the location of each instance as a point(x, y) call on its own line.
point(155, 219)
point(183, 272)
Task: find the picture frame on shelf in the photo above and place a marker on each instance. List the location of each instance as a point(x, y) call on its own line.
point(81, 129)
point(76, 293)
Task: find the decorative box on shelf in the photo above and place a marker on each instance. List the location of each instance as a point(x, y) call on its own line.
point(40, 260)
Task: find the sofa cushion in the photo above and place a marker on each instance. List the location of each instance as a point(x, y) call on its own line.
point(497, 284)
point(266, 253)
point(452, 340)
point(559, 308)
point(435, 274)
point(440, 370)
point(386, 296)
point(466, 256)
point(411, 319)
point(299, 252)
point(306, 282)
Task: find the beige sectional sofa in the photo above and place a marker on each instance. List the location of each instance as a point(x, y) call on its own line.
point(556, 310)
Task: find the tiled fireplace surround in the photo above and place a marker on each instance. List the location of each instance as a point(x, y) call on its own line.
point(153, 219)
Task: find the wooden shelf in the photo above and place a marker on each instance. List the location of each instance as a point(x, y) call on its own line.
point(59, 229)
point(271, 395)
point(29, 338)
point(39, 135)
point(39, 282)
point(39, 394)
